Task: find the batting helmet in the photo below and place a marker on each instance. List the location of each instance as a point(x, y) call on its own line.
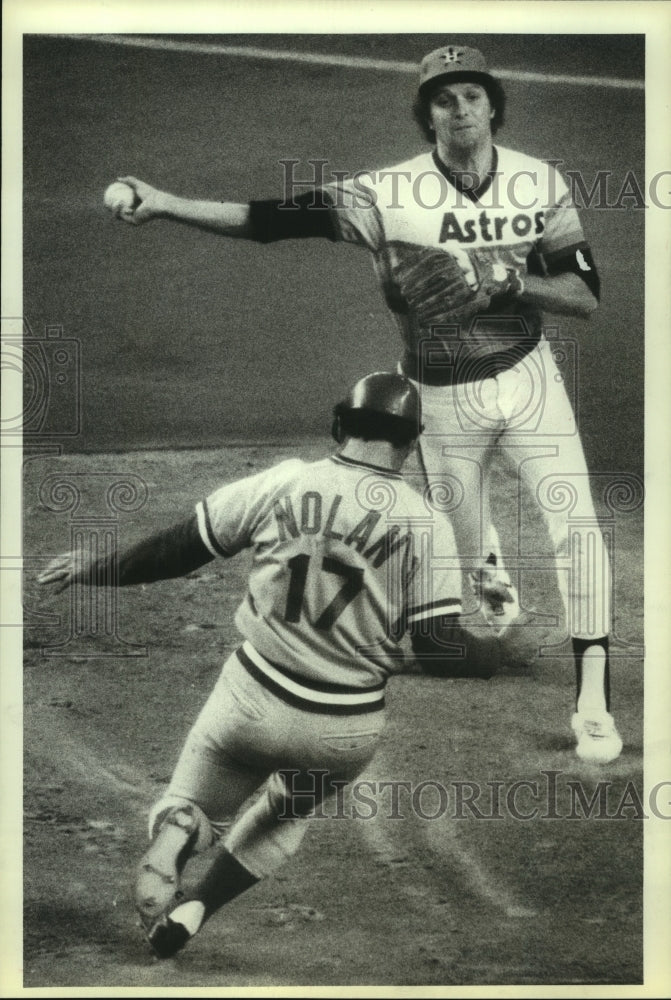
point(382, 406)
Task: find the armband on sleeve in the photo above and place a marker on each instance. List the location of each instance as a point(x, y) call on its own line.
point(578, 260)
point(307, 215)
point(443, 648)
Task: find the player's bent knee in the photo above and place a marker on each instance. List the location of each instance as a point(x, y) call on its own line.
point(207, 831)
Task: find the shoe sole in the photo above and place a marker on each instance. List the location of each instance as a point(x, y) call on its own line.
point(497, 612)
point(158, 871)
point(499, 616)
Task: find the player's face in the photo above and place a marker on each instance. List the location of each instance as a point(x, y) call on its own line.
point(461, 115)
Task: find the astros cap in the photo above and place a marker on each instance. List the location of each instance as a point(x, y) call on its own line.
point(457, 63)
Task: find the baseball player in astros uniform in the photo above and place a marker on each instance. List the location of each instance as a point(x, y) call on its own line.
point(347, 558)
point(471, 241)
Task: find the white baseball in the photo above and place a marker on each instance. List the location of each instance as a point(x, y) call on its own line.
point(119, 197)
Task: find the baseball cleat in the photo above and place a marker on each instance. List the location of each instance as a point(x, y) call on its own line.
point(498, 598)
point(598, 740)
point(158, 873)
point(169, 934)
point(167, 937)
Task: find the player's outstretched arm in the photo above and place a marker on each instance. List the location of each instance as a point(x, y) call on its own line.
point(221, 217)
point(169, 553)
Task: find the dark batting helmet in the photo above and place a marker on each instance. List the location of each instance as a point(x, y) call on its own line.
point(383, 406)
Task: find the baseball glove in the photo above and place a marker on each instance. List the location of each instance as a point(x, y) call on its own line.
point(492, 277)
point(444, 288)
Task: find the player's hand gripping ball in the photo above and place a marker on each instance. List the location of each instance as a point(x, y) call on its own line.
point(120, 199)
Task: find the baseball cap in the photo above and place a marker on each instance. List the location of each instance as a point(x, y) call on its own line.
point(455, 63)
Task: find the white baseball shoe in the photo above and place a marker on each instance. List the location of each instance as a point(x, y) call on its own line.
point(499, 602)
point(158, 873)
point(598, 740)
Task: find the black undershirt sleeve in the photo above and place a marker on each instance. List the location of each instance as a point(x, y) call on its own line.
point(169, 553)
point(443, 648)
point(306, 215)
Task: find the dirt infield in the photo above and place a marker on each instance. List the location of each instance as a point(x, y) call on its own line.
point(455, 899)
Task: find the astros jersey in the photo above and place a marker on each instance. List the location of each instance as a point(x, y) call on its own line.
point(345, 558)
point(521, 216)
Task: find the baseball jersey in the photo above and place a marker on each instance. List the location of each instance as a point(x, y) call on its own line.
point(346, 557)
point(522, 212)
point(521, 216)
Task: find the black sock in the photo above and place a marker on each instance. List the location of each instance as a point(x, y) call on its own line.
point(225, 879)
point(579, 647)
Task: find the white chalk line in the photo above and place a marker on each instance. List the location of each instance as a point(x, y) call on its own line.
point(72, 757)
point(443, 841)
point(77, 759)
point(345, 62)
point(480, 881)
